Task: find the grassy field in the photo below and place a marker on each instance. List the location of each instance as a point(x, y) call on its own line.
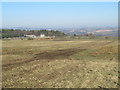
point(60, 64)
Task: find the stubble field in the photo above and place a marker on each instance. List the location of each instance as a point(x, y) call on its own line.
point(60, 64)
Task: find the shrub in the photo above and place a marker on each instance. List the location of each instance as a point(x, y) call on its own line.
point(30, 38)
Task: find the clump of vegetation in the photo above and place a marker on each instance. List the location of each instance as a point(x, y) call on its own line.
point(30, 38)
point(106, 37)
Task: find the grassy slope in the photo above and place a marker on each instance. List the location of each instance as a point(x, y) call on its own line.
point(32, 63)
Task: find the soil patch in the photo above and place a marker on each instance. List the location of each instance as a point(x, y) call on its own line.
point(50, 55)
point(58, 54)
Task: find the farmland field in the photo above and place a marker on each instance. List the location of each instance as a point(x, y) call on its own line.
point(60, 64)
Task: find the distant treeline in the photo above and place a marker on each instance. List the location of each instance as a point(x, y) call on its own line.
point(10, 33)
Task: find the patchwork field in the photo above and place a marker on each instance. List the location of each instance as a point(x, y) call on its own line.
point(60, 64)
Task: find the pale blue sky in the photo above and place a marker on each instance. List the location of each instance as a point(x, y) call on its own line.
point(59, 14)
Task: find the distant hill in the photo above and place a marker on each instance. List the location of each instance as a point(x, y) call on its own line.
point(97, 32)
point(9, 33)
point(110, 33)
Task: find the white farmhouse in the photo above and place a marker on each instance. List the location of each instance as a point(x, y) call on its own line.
point(30, 36)
point(42, 35)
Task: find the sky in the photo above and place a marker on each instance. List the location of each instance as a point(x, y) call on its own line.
point(59, 14)
point(60, 0)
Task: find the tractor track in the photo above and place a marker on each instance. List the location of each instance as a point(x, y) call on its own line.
point(49, 55)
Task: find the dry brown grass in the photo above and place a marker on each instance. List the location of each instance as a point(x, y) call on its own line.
point(60, 64)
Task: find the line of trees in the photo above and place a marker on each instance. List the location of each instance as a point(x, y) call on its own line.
point(10, 33)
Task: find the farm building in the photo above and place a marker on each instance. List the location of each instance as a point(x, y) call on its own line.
point(30, 36)
point(42, 35)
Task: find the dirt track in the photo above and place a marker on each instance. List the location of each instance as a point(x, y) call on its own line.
point(50, 55)
point(58, 54)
